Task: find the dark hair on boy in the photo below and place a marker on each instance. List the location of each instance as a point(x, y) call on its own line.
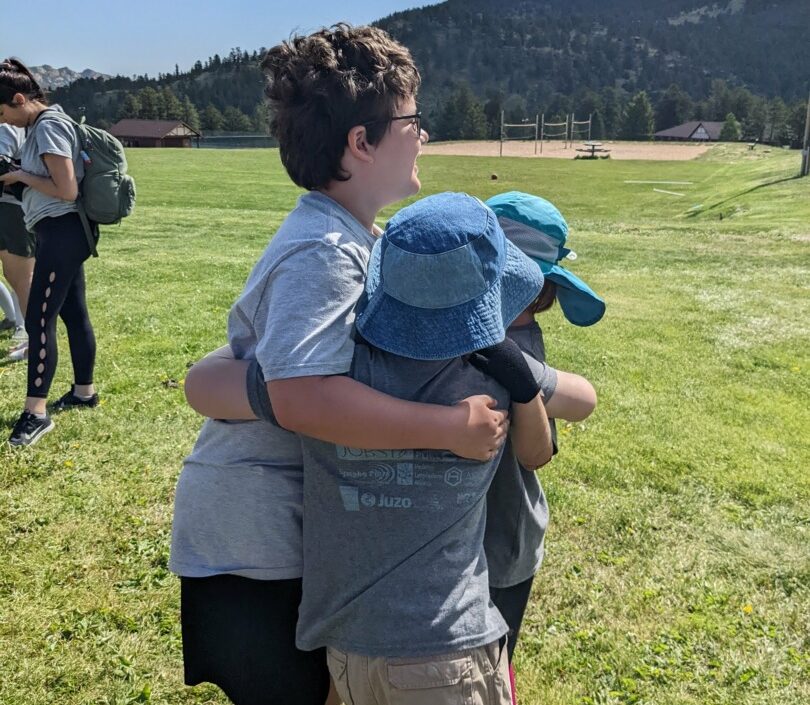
point(16, 78)
point(545, 299)
point(321, 85)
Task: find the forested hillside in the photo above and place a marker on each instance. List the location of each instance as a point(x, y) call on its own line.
point(637, 66)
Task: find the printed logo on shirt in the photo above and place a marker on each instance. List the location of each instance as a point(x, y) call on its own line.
point(466, 498)
point(395, 502)
point(376, 474)
point(354, 500)
point(362, 454)
point(404, 473)
point(453, 477)
point(384, 474)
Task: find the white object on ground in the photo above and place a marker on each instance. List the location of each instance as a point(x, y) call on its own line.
point(684, 183)
point(19, 353)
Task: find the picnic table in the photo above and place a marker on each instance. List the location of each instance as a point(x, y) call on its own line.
point(593, 149)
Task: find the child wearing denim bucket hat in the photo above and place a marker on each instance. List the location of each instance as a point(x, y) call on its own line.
point(395, 584)
point(517, 510)
point(442, 282)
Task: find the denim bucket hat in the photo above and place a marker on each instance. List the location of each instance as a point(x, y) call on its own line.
point(539, 230)
point(444, 281)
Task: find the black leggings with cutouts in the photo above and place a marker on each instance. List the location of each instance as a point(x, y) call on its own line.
point(57, 288)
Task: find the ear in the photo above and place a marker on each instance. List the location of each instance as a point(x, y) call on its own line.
point(358, 144)
point(18, 99)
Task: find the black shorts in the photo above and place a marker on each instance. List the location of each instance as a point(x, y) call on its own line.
point(239, 633)
point(13, 235)
point(511, 603)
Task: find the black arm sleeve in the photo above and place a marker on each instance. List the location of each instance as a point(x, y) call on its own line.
point(505, 363)
point(257, 394)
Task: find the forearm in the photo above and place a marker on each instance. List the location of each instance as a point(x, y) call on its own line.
point(574, 398)
point(46, 185)
point(215, 386)
point(341, 410)
point(531, 433)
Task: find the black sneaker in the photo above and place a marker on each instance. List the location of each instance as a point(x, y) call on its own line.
point(71, 401)
point(29, 429)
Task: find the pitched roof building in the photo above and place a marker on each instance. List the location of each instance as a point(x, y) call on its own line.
point(698, 130)
point(154, 133)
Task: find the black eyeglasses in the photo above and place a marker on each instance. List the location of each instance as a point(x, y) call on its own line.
point(416, 117)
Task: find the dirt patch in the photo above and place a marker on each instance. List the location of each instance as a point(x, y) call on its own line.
point(652, 151)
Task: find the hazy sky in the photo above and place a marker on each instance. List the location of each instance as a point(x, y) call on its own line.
point(146, 36)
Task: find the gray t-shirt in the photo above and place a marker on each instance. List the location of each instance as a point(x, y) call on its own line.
point(49, 135)
point(238, 500)
point(517, 513)
point(11, 140)
point(394, 560)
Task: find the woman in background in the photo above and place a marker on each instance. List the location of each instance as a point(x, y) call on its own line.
point(51, 168)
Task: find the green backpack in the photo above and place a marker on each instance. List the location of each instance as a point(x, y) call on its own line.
point(107, 192)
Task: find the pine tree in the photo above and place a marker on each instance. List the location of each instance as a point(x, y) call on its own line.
point(731, 132)
point(212, 119)
point(189, 114)
point(150, 102)
point(235, 120)
point(172, 107)
point(463, 117)
point(261, 119)
point(639, 123)
point(720, 100)
point(797, 114)
point(492, 113)
point(754, 125)
point(613, 111)
point(597, 126)
point(589, 103)
point(130, 108)
point(778, 122)
point(674, 107)
point(473, 120)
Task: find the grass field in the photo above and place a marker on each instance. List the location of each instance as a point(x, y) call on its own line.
point(678, 567)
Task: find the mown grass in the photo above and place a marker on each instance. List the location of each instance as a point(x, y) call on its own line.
point(677, 568)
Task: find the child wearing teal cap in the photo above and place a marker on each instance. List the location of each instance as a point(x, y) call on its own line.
point(517, 518)
point(517, 510)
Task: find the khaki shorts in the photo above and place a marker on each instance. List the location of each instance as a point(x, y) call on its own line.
point(477, 676)
point(13, 235)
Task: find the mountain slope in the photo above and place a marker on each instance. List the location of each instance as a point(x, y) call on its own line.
point(540, 48)
point(51, 78)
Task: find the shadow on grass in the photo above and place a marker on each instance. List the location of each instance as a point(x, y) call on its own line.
point(714, 206)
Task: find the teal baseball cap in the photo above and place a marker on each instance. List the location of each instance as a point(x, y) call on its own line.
point(537, 227)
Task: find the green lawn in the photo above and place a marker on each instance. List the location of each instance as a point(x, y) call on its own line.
point(678, 567)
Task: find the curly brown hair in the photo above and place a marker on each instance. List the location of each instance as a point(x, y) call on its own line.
point(321, 85)
point(16, 78)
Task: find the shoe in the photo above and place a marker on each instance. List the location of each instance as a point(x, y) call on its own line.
point(20, 336)
point(19, 352)
point(71, 401)
point(7, 324)
point(29, 429)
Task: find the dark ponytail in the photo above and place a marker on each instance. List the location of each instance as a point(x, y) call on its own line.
point(16, 78)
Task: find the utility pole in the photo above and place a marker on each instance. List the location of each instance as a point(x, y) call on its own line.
point(806, 144)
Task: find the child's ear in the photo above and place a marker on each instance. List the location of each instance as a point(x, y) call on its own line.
point(358, 144)
point(18, 99)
